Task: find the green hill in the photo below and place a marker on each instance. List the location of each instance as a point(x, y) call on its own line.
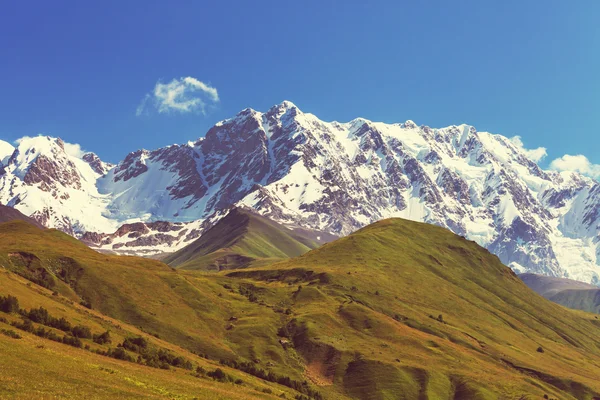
point(398, 309)
point(405, 307)
point(240, 239)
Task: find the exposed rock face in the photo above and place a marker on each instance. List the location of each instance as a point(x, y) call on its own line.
point(332, 177)
point(97, 165)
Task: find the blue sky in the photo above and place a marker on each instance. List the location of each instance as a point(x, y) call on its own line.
point(81, 71)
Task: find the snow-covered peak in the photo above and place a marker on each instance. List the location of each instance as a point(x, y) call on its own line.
point(6, 150)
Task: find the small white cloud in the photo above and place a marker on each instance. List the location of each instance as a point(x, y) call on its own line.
point(578, 163)
point(535, 155)
point(183, 95)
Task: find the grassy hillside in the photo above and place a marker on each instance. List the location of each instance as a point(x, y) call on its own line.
point(396, 310)
point(239, 239)
point(193, 311)
point(404, 307)
point(35, 367)
point(566, 292)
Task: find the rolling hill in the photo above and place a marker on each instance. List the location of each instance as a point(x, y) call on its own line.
point(398, 309)
point(566, 292)
point(242, 238)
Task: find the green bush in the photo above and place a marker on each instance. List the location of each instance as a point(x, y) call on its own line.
point(136, 345)
point(103, 338)
point(11, 333)
point(81, 331)
point(9, 304)
point(72, 341)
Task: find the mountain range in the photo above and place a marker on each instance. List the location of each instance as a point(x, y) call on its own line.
point(329, 177)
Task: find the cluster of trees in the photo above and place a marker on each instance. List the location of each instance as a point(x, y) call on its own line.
point(73, 334)
point(154, 357)
point(218, 375)
point(9, 304)
point(27, 326)
point(252, 369)
point(10, 333)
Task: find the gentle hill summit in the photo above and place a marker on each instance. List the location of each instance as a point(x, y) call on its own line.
point(566, 292)
point(241, 238)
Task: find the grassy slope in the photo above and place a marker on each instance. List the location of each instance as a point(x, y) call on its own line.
point(366, 327)
point(359, 325)
point(239, 239)
point(190, 310)
point(35, 368)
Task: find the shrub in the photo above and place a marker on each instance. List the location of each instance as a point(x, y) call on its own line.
point(103, 338)
point(86, 304)
point(135, 344)
point(120, 354)
point(60, 323)
point(218, 375)
point(11, 333)
point(540, 349)
point(81, 331)
point(25, 325)
point(9, 304)
point(39, 315)
point(72, 341)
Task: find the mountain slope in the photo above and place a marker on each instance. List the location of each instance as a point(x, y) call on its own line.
point(571, 294)
point(398, 309)
point(327, 176)
point(403, 307)
point(238, 239)
point(195, 312)
point(35, 367)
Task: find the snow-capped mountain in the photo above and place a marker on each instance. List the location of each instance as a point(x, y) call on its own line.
point(328, 176)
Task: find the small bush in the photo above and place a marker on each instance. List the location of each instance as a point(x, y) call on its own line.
point(120, 354)
point(9, 304)
point(11, 333)
point(72, 341)
point(86, 304)
point(61, 323)
point(135, 344)
point(81, 331)
point(540, 349)
point(103, 338)
point(39, 315)
point(218, 375)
